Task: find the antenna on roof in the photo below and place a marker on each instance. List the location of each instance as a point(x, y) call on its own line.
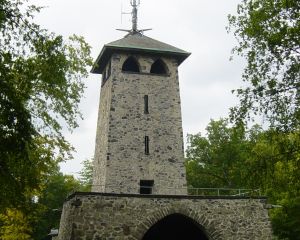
point(134, 5)
point(134, 14)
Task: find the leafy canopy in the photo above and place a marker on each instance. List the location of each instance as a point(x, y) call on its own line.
point(15, 226)
point(45, 214)
point(41, 82)
point(255, 158)
point(268, 34)
point(217, 160)
point(86, 174)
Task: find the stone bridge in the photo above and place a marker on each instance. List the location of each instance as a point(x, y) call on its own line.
point(101, 216)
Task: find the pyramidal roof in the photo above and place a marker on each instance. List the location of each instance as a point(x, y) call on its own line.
point(139, 41)
point(135, 42)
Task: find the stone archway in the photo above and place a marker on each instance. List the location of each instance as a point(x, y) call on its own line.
point(176, 227)
point(202, 221)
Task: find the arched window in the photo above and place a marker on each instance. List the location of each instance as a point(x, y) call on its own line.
point(159, 67)
point(131, 65)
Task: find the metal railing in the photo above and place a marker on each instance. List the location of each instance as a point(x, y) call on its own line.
point(223, 192)
point(190, 191)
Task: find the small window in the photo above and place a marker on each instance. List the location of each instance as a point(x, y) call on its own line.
point(103, 76)
point(146, 186)
point(131, 65)
point(158, 67)
point(108, 70)
point(146, 104)
point(147, 145)
point(106, 73)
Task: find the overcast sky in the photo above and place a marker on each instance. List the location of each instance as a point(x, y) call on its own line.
point(197, 26)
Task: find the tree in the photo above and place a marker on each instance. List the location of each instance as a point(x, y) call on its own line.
point(285, 220)
point(42, 214)
point(268, 34)
point(86, 174)
point(218, 159)
point(41, 86)
point(254, 158)
point(274, 164)
point(15, 225)
point(45, 213)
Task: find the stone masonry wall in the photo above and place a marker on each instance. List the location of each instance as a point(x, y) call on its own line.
point(124, 217)
point(99, 174)
point(120, 150)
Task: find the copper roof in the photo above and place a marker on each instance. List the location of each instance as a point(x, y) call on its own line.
point(137, 43)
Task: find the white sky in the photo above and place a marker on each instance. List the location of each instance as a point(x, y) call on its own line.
point(197, 26)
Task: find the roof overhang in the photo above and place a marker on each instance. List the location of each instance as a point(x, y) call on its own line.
point(109, 50)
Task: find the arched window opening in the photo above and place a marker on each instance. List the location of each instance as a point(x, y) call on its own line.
point(159, 67)
point(176, 227)
point(131, 65)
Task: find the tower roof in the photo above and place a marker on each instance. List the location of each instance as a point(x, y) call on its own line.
point(136, 42)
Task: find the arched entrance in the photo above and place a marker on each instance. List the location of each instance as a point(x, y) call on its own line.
point(176, 227)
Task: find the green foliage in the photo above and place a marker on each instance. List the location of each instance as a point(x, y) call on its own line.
point(274, 161)
point(45, 214)
point(40, 216)
point(41, 82)
point(216, 160)
point(275, 167)
point(285, 220)
point(254, 158)
point(86, 174)
point(268, 34)
point(15, 226)
point(41, 86)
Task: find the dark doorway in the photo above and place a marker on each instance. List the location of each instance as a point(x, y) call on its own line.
point(175, 227)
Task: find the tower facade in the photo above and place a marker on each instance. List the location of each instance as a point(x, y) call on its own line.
point(139, 149)
point(139, 142)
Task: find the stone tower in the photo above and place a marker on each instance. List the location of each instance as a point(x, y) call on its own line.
point(139, 190)
point(139, 143)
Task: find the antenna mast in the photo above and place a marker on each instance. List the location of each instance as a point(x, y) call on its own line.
point(134, 5)
point(134, 14)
